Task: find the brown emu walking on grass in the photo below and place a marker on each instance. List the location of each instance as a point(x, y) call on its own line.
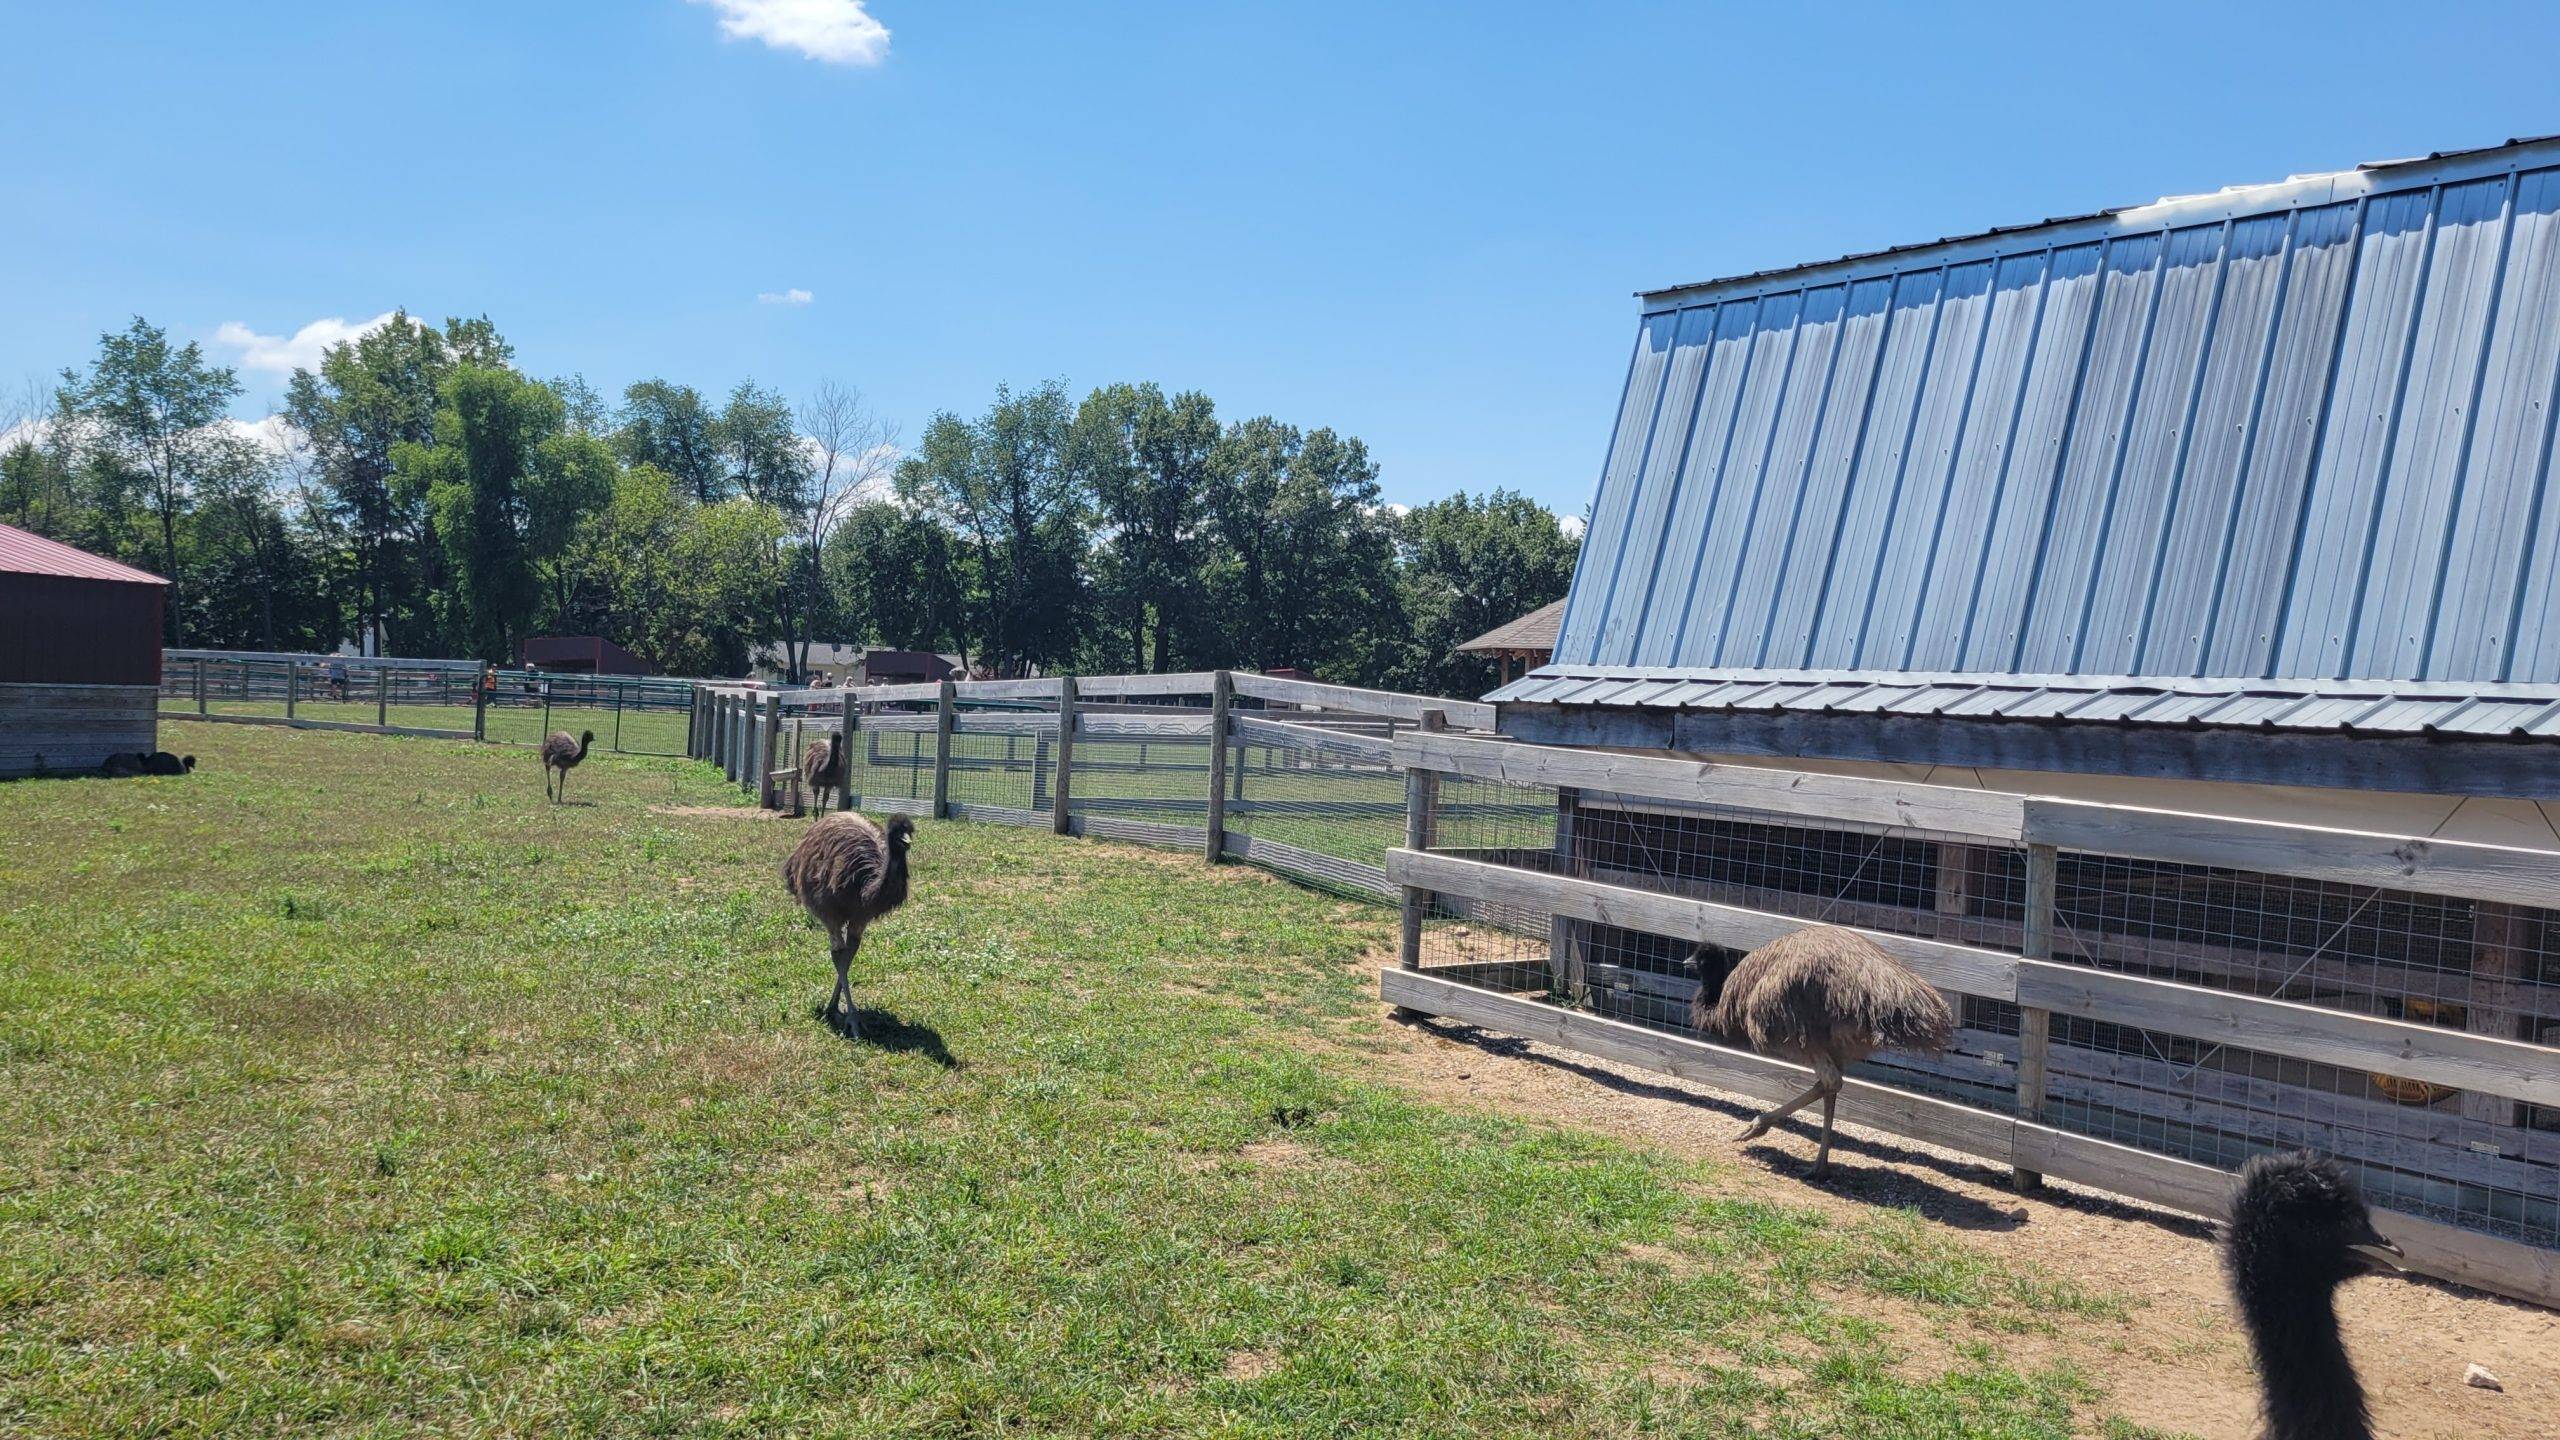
point(821, 770)
point(2298, 1231)
point(1822, 997)
point(846, 873)
point(561, 754)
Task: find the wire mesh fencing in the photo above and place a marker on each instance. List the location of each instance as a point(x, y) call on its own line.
point(451, 699)
point(2468, 1158)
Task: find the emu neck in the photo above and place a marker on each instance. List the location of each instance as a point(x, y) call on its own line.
point(891, 892)
point(583, 742)
point(2311, 1388)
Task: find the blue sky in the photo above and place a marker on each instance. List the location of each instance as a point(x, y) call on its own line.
point(1417, 223)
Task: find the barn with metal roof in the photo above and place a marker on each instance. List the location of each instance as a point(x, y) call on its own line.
point(2247, 488)
point(79, 656)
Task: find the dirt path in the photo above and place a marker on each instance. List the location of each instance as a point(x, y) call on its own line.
point(2177, 1363)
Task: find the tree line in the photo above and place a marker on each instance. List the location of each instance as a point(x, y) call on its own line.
point(419, 487)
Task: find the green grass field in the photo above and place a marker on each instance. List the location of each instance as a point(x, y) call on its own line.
point(352, 1090)
point(639, 732)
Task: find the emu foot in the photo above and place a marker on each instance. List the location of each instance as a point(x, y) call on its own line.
point(1755, 1129)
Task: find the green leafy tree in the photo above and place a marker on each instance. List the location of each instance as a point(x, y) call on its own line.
point(1000, 485)
point(667, 426)
point(149, 409)
point(1470, 565)
point(1304, 571)
point(482, 483)
point(1148, 463)
point(902, 578)
point(370, 396)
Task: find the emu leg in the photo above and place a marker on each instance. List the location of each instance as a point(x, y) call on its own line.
point(1760, 1127)
point(1822, 1153)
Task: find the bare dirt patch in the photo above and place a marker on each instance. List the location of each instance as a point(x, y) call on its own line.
point(1250, 1365)
point(2177, 1362)
point(1277, 1152)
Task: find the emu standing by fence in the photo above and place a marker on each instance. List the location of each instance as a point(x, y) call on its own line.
point(560, 755)
point(1823, 997)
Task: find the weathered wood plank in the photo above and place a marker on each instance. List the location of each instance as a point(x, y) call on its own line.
point(1035, 689)
point(2436, 867)
point(998, 814)
point(1985, 813)
point(1950, 967)
point(899, 805)
point(1468, 713)
point(1143, 727)
point(2305, 1032)
point(1145, 832)
point(1190, 682)
point(1310, 738)
point(1315, 864)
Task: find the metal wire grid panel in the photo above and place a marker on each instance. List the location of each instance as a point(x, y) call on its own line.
point(438, 698)
point(892, 755)
point(1141, 772)
point(1318, 800)
point(1003, 764)
point(2475, 1160)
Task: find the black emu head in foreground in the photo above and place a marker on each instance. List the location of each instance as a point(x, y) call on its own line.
point(2298, 1231)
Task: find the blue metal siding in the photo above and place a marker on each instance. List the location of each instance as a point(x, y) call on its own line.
point(2300, 433)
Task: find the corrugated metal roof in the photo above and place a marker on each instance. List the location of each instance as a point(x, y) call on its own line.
point(23, 552)
point(1533, 631)
point(2327, 706)
point(2301, 430)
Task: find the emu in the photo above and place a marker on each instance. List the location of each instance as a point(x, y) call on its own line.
point(847, 873)
point(2298, 1231)
point(562, 754)
point(1822, 997)
point(821, 769)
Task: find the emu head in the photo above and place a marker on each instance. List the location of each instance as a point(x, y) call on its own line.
point(2297, 1216)
point(902, 832)
point(1710, 967)
point(586, 737)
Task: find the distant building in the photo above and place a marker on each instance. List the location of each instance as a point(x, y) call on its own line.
point(1518, 646)
point(79, 656)
point(860, 665)
point(580, 655)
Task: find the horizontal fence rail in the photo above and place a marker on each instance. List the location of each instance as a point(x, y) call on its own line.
point(435, 699)
point(2144, 997)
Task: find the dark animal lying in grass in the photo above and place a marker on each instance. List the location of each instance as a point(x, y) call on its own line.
point(135, 762)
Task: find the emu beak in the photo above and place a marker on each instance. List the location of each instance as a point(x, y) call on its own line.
point(2377, 1252)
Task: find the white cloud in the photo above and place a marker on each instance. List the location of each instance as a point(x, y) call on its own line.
point(282, 355)
point(1571, 525)
point(275, 434)
point(838, 32)
point(793, 296)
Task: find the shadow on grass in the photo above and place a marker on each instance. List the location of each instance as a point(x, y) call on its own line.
point(886, 1030)
point(1896, 1181)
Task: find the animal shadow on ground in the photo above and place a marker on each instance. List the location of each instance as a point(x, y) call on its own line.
point(1897, 1183)
point(888, 1031)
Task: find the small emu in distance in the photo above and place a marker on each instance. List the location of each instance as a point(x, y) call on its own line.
point(1822, 997)
point(821, 770)
point(560, 755)
point(847, 873)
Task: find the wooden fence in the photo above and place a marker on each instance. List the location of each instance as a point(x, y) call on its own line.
point(1290, 775)
point(2457, 1145)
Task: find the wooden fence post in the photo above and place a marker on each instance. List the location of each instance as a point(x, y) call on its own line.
point(480, 704)
point(2035, 1025)
point(772, 751)
point(1221, 694)
point(200, 701)
point(382, 694)
point(1060, 820)
point(846, 799)
point(292, 684)
point(946, 702)
point(1421, 798)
